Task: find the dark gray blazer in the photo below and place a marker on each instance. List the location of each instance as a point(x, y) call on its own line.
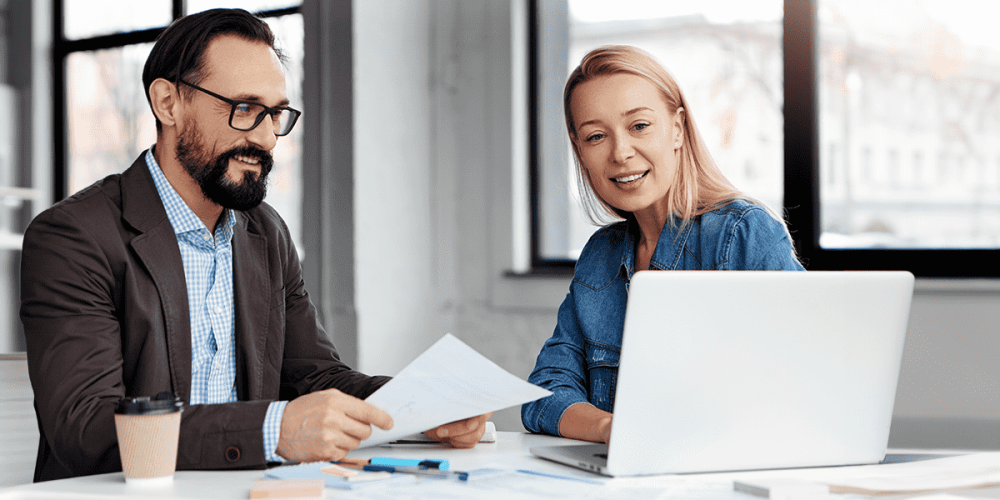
point(105, 313)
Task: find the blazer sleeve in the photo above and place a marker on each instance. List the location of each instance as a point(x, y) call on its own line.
point(310, 361)
point(73, 342)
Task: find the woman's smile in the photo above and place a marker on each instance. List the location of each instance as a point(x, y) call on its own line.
point(629, 179)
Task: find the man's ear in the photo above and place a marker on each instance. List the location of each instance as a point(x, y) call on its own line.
point(165, 100)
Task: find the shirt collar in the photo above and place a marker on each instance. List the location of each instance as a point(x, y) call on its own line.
point(668, 249)
point(181, 217)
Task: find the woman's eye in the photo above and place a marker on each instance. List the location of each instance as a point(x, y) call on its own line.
point(595, 137)
point(640, 126)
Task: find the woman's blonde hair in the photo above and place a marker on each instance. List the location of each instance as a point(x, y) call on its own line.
point(698, 185)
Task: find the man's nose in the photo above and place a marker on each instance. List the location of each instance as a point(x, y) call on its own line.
point(263, 135)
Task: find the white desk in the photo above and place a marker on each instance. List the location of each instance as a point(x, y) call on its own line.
point(510, 450)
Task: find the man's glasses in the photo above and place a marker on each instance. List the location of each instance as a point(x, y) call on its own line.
point(246, 115)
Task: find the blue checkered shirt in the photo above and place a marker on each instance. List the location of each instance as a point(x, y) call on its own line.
point(208, 271)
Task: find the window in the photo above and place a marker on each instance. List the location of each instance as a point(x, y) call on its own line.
point(874, 136)
point(103, 121)
point(22, 189)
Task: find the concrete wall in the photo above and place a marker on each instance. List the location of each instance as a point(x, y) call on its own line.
point(440, 138)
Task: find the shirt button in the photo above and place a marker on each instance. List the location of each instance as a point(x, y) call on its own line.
point(218, 310)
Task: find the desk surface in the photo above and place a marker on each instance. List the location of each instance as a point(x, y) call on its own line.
point(510, 451)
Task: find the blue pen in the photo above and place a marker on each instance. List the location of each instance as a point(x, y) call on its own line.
point(441, 465)
point(462, 476)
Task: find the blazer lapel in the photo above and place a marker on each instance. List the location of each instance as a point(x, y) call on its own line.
point(156, 248)
point(251, 294)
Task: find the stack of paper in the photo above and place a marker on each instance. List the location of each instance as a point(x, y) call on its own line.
point(975, 470)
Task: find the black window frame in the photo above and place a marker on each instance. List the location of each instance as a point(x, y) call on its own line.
point(801, 170)
point(61, 50)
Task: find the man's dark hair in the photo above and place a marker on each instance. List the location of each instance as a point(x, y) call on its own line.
point(179, 51)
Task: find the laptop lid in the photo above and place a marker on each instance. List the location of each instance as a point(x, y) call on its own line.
point(742, 370)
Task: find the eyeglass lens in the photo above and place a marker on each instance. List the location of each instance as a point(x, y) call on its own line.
point(246, 116)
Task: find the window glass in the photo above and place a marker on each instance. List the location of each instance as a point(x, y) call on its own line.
point(15, 201)
point(725, 54)
point(88, 18)
point(909, 116)
point(109, 120)
point(110, 123)
point(250, 5)
point(285, 190)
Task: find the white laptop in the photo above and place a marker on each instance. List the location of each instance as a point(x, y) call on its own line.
point(741, 370)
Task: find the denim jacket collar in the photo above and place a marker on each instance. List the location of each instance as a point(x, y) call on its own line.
point(669, 247)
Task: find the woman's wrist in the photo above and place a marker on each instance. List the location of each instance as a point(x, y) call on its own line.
point(585, 422)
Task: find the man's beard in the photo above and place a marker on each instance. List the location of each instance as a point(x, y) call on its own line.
point(210, 173)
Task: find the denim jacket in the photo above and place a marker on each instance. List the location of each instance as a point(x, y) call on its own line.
point(579, 363)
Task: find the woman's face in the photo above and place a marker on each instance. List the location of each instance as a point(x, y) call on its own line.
point(627, 140)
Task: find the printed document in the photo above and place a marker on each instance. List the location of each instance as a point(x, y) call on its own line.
point(448, 382)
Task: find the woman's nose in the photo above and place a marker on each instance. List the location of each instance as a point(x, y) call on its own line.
point(623, 149)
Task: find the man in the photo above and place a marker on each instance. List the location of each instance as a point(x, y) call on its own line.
point(172, 276)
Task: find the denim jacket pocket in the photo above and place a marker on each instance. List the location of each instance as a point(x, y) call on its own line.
point(602, 374)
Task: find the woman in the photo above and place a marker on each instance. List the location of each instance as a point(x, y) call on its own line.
point(639, 158)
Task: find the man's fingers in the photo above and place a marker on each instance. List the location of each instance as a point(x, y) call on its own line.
point(465, 440)
point(369, 415)
point(463, 433)
point(462, 427)
point(354, 429)
point(326, 425)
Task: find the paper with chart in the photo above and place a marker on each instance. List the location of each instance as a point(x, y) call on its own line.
point(448, 382)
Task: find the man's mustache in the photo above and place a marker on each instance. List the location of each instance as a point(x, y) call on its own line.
point(265, 158)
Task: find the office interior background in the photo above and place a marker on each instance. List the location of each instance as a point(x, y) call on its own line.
point(429, 183)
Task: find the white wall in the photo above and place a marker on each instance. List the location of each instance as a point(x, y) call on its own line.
point(433, 186)
point(399, 250)
point(949, 383)
point(436, 138)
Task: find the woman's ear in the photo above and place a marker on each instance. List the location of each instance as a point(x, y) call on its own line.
point(164, 99)
point(679, 128)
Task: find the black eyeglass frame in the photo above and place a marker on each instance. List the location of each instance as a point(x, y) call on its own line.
point(269, 111)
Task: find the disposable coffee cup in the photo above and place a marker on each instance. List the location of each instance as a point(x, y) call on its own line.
point(148, 432)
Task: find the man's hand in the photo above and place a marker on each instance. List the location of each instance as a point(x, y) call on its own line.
point(461, 434)
point(325, 425)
